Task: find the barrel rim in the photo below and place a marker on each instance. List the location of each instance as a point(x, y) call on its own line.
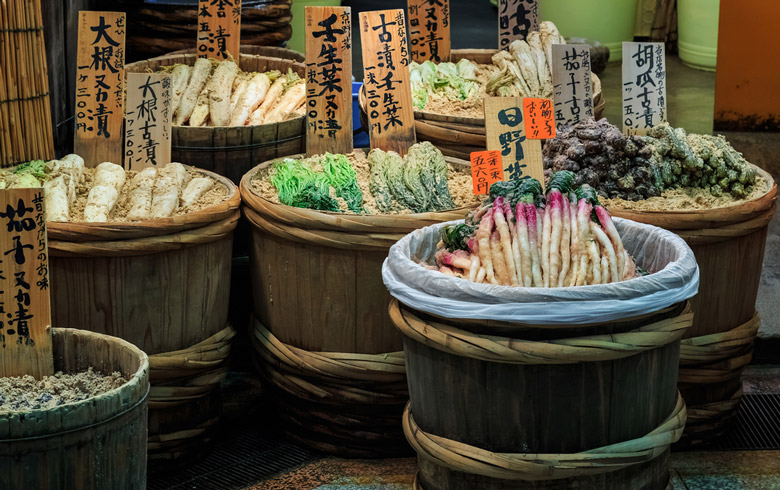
point(82, 231)
point(326, 220)
point(92, 411)
point(248, 48)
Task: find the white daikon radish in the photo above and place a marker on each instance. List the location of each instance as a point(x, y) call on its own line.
point(201, 112)
point(200, 74)
point(180, 77)
point(108, 173)
point(141, 195)
point(168, 187)
point(287, 104)
point(239, 87)
point(100, 203)
point(219, 94)
point(194, 190)
point(253, 96)
point(270, 99)
point(56, 200)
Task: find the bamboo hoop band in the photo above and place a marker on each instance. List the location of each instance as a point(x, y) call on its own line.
point(161, 443)
point(714, 235)
point(178, 377)
point(710, 415)
point(541, 467)
point(148, 245)
point(418, 486)
point(591, 348)
point(331, 377)
point(718, 357)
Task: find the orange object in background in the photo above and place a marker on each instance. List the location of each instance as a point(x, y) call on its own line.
point(747, 81)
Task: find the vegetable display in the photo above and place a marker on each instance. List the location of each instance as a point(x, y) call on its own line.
point(214, 93)
point(522, 237)
point(639, 167)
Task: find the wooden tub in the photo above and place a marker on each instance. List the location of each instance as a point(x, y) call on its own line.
point(162, 285)
point(226, 150)
point(729, 246)
point(323, 339)
point(94, 444)
point(458, 136)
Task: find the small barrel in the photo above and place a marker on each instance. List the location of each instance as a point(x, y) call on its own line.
point(94, 444)
point(729, 246)
point(323, 339)
point(458, 136)
point(163, 285)
point(226, 150)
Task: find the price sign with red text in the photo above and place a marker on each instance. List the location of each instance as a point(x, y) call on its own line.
point(486, 169)
point(539, 118)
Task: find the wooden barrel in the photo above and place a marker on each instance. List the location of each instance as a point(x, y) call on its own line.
point(94, 444)
point(162, 285)
point(458, 136)
point(232, 151)
point(323, 339)
point(729, 246)
point(510, 406)
point(267, 51)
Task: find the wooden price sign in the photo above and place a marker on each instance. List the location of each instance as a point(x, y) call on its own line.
point(521, 156)
point(386, 79)
point(219, 29)
point(148, 120)
point(328, 80)
point(539, 118)
point(99, 87)
point(486, 169)
point(429, 30)
point(25, 314)
point(516, 18)
point(644, 86)
point(572, 86)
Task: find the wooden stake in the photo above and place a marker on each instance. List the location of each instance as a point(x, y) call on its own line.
point(429, 30)
point(148, 120)
point(219, 29)
point(521, 157)
point(572, 86)
point(516, 18)
point(644, 86)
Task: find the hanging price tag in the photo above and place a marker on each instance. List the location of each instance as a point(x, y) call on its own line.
point(148, 120)
point(521, 157)
point(219, 29)
point(644, 86)
point(516, 18)
point(572, 86)
point(485, 170)
point(539, 118)
point(429, 30)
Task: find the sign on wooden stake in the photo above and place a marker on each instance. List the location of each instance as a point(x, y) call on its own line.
point(386, 80)
point(644, 86)
point(219, 29)
point(99, 87)
point(328, 80)
point(429, 30)
point(521, 157)
point(572, 86)
point(516, 18)
point(25, 314)
point(148, 120)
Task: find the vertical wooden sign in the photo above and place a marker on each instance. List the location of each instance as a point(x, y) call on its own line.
point(386, 79)
point(516, 18)
point(219, 29)
point(328, 80)
point(572, 86)
point(25, 314)
point(429, 30)
point(99, 87)
point(148, 120)
point(644, 86)
point(521, 157)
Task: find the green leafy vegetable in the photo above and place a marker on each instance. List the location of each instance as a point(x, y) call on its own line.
point(342, 177)
point(456, 237)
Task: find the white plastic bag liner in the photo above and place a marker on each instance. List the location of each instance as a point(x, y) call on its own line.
point(674, 278)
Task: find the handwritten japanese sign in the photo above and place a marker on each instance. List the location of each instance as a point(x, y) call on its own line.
point(99, 87)
point(386, 80)
point(516, 18)
point(25, 314)
point(644, 86)
point(219, 29)
point(148, 120)
point(486, 169)
point(539, 118)
point(572, 85)
point(328, 80)
point(429, 30)
point(521, 157)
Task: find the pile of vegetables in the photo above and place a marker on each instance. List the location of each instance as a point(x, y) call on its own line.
point(451, 80)
point(639, 167)
point(523, 237)
point(218, 93)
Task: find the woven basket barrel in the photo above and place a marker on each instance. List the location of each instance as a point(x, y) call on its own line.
point(93, 444)
point(162, 285)
point(323, 339)
point(232, 151)
point(729, 246)
point(458, 136)
point(505, 406)
point(267, 51)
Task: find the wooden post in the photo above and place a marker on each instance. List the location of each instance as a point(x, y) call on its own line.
point(521, 157)
point(644, 86)
point(25, 314)
point(572, 86)
point(148, 120)
point(219, 29)
point(386, 79)
point(328, 80)
point(99, 87)
point(516, 18)
point(429, 30)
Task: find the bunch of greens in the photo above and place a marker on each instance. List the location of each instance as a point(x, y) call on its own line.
point(453, 81)
point(300, 186)
point(342, 177)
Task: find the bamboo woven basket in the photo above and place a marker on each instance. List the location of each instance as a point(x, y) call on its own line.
point(458, 136)
point(162, 285)
point(323, 339)
point(729, 246)
point(595, 406)
point(267, 51)
point(232, 151)
point(94, 444)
